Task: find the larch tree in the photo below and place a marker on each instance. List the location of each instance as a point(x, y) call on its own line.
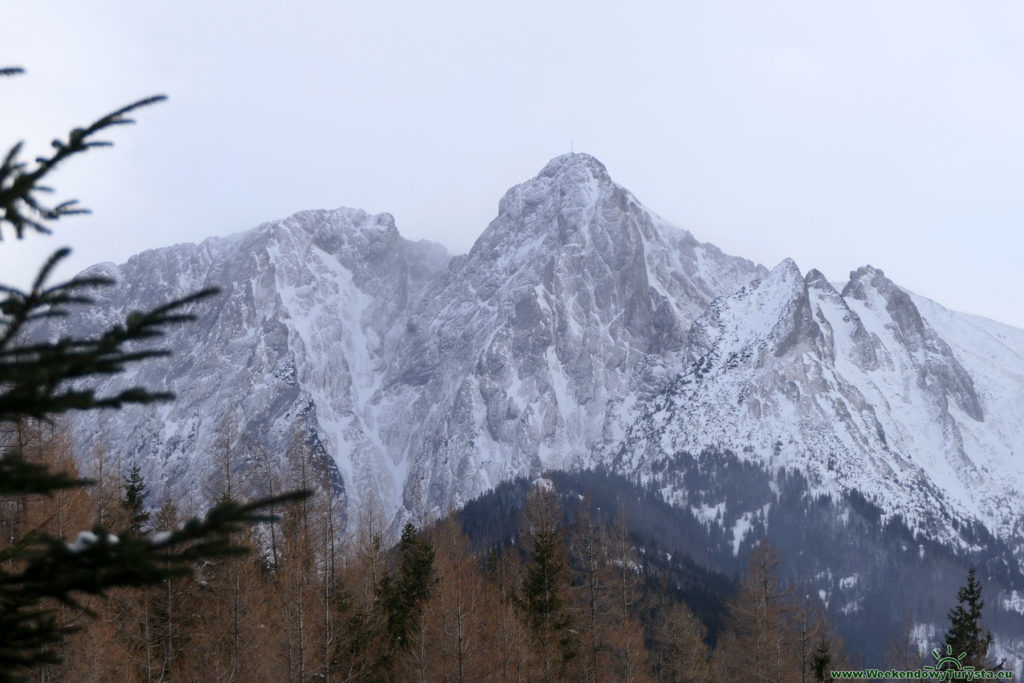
point(297, 569)
point(461, 622)
point(903, 652)
point(590, 594)
point(819, 648)
point(168, 601)
point(359, 646)
point(503, 575)
point(760, 644)
point(629, 661)
point(678, 651)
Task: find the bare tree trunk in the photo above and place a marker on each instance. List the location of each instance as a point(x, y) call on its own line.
point(148, 638)
point(235, 625)
point(302, 634)
point(169, 646)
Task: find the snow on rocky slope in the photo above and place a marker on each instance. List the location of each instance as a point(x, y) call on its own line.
point(310, 312)
point(512, 359)
point(856, 390)
point(581, 329)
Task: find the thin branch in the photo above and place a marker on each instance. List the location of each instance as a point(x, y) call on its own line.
point(20, 204)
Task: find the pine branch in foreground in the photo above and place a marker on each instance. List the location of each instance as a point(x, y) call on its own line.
point(39, 379)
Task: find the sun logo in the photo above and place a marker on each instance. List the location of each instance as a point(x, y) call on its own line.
point(948, 662)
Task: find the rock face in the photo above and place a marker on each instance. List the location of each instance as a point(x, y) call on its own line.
point(513, 358)
point(310, 315)
point(580, 330)
point(855, 390)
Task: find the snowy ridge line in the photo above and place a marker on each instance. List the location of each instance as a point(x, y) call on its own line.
point(580, 330)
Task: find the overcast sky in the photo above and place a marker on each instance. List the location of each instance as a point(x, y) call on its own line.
point(837, 133)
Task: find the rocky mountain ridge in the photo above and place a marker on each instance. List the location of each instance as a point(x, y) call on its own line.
point(581, 330)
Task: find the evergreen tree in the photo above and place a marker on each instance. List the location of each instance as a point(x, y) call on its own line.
point(42, 379)
point(403, 596)
point(821, 660)
point(966, 634)
point(545, 575)
point(134, 500)
point(546, 582)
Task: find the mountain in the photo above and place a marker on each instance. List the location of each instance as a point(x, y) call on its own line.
point(855, 390)
point(419, 380)
point(874, 576)
point(311, 311)
point(512, 361)
point(580, 331)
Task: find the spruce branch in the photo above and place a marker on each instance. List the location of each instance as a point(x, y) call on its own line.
point(98, 560)
point(21, 187)
point(37, 379)
point(21, 477)
point(41, 377)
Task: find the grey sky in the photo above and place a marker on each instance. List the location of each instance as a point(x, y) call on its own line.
point(836, 133)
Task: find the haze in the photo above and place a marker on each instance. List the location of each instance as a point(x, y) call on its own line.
point(838, 134)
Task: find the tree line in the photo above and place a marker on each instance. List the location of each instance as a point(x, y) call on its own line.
point(562, 602)
point(559, 602)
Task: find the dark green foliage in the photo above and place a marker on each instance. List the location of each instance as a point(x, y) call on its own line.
point(51, 570)
point(35, 377)
point(415, 566)
point(40, 379)
point(357, 641)
point(671, 536)
point(18, 477)
point(403, 596)
point(902, 573)
point(545, 575)
point(134, 501)
point(965, 633)
point(821, 660)
point(546, 579)
point(21, 185)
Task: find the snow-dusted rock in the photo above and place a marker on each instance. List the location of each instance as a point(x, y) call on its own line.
point(581, 329)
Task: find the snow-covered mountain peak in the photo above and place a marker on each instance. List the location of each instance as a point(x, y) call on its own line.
point(580, 330)
point(874, 296)
point(816, 279)
point(763, 320)
point(581, 324)
point(342, 232)
point(785, 274)
point(555, 208)
point(572, 218)
point(542, 324)
point(856, 389)
point(576, 164)
point(863, 278)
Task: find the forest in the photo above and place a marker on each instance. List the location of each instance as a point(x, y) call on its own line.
point(559, 598)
